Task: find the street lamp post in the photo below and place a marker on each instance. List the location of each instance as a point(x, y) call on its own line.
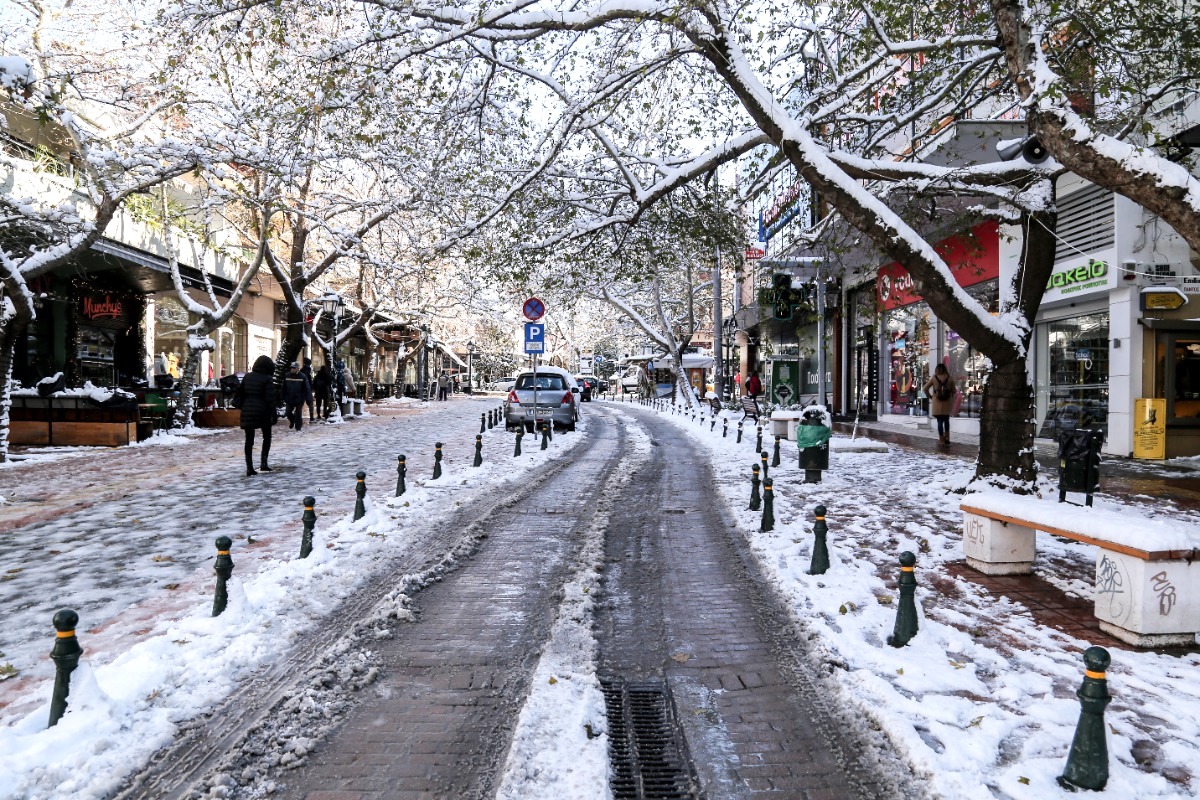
point(470, 360)
point(731, 368)
point(422, 363)
point(331, 304)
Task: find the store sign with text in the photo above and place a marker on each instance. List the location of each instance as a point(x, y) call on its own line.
point(972, 259)
point(105, 310)
point(1078, 277)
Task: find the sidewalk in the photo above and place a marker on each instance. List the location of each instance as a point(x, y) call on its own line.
point(1119, 478)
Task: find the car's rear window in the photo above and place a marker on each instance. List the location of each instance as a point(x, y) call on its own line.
point(549, 382)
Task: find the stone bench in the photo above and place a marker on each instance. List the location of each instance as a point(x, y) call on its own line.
point(784, 422)
point(1147, 590)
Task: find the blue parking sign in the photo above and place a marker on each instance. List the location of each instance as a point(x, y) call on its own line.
point(535, 337)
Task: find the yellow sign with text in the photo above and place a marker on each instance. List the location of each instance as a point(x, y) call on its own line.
point(1150, 427)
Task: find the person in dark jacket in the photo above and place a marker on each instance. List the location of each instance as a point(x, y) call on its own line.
point(257, 402)
point(297, 393)
point(307, 372)
point(322, 386)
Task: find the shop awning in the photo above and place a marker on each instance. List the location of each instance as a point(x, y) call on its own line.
point(450, 353)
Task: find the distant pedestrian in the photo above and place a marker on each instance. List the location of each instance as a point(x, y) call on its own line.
point(753, 384)
point(941, 389)
point(297, 393)
point(322, 388)
point(256, 398)
point(307, 370)
point(443, 384)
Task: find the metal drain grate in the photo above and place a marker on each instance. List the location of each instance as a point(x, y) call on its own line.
point(647, 763)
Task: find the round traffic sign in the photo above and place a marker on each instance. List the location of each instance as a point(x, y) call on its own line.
point(533, 309)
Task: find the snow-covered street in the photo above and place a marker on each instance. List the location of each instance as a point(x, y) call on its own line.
point(319, 652)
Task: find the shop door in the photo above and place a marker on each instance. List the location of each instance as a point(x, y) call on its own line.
point(866, 379)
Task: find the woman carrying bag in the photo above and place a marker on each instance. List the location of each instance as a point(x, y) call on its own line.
point(256, 398)
point(941, 391)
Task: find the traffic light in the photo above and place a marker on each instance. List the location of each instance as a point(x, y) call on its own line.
point(782, 283)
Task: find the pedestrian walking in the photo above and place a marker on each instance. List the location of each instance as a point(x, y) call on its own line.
point(297, 393)
point(307, 371)
point(443, 383)
point(322, 388)
point(256, 398)
point(753, 384)
point(941, 389)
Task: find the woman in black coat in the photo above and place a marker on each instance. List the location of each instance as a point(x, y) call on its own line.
point(322, 387)
point(257, 395)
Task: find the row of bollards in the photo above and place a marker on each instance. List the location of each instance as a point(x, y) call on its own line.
point(1087, 761)
point(67, 651)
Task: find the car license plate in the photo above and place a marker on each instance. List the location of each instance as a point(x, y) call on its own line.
point(544, 413)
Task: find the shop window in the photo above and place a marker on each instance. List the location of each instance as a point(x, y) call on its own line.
point(1182, 379)
point(1076, 382)
point(171, 320)
point(967, 366)
point(230, 356)
point(907, 355)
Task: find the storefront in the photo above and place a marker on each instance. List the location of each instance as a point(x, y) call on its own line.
point(912, 339)
point(88, 327)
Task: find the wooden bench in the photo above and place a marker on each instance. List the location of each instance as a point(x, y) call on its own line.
point(750, 408)
point(1147, 586)
point(715, 405)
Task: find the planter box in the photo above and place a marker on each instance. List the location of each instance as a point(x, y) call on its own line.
point(72, 434)
point(218, 418)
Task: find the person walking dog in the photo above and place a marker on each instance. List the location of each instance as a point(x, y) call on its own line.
point(256, 399)
point(941, 389)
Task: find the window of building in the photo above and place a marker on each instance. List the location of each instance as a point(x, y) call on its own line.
point(170, 337)
point(967, 366)
point(1074, 383)
point(906, 351)
point(1177, 376)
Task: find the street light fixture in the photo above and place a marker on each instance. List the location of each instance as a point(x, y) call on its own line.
point(331, 304)
point(470, 359)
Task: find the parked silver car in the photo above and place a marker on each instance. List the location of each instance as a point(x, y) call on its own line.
point(557, 399)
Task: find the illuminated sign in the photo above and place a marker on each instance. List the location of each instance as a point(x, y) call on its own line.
point(1088, 276)
point(106, 309)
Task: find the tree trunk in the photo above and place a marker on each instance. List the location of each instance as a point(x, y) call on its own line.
point(1006, 428)
point(290, 348)
point(11, 327)
point(187, 382)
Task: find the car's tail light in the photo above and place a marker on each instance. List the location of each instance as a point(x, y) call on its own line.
point(568, 399)
point(512, 397)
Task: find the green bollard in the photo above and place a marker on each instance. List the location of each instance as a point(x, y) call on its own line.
point(401, 470)
point(545, 436)
point(755, 500)
point(223, 568)
point(758, 441)
point(65, 654)
point(1087, 762)
point(360, 506)
point(517, 449)
point(820, 553)
point(478, 451)
point(906, 611)
point(437, 460)
point(768, 517)
point(725, 428)
point(765, 471)
point(775, 455)
point(310, 519)
point(483, 420)
point(739, 439)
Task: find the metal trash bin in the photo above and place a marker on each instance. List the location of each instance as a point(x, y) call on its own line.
point(812, 437)
point(1079, 462)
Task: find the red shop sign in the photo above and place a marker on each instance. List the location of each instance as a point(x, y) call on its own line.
point(94, 308)
point(971, 260)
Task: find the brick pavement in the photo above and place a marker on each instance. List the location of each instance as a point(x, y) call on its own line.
point(684, 601)
point(452, 685)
